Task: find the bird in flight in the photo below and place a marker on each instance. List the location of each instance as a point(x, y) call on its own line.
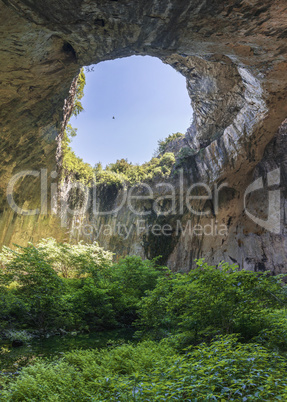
point(113, 117)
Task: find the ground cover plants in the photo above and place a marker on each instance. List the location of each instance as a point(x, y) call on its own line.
point(215, 333)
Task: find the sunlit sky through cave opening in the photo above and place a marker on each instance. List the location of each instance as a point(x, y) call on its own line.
point(129, 105)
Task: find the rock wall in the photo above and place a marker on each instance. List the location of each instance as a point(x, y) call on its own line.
point(234, 59)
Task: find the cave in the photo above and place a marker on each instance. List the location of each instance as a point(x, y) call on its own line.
point(120, 117)
point(234, 61)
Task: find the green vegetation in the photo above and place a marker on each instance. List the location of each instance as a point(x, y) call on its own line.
point(118, 174)
point(56, 285)
point(182, 157)
point(210, 301)
point(73, 166)
point(22, 336)
point(184, 153)
point(225, 370)
point(163, 144)
point(213, 334)
point(81, 82)
point(122, 172)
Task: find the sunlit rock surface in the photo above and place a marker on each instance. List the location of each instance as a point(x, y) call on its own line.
point(233, 56)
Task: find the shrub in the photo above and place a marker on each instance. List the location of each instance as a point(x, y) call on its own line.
point(130, 278)
point(184, 154)
point(121, 166)
point(73, 166)
point(73, 260)
point(224, 370)
point(12, 308)
point(167, 159)
point(91, 306)
point(57, 285)
point(209, 301)
point(22, 335)
point(162, 144)
point(40, 287)
point(124, 173)
point(43, 299)
point(274, 335)
point(109, 178)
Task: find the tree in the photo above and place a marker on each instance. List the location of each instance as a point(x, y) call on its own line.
point(78, 107)
point(40, 288)
point(74, 166)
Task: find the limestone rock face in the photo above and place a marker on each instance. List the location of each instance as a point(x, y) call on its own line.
point(234, 58)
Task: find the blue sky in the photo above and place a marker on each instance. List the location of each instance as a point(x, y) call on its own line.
point(149, 101)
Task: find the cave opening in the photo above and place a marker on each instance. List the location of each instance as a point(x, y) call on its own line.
point(129, 105)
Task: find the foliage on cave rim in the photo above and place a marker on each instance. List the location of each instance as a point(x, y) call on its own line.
point(121, 172)
point(73, 166)
point(162, 144)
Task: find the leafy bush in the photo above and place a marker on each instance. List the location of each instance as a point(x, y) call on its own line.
point(91, 306)
point(185, 153)
point(72, 260)
point(56, 285)
point(274, 335)
point(122, 172)
point(12, 308)
point(109, 178)
point(40, 287)
point(162, 144)
point(81, 82)
point(22, 335)
point(209, 301)
point(167, 159)
point(130, 278)
point(224, 370)
point(121, 166)
point(42, 299)
point(73, 166)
